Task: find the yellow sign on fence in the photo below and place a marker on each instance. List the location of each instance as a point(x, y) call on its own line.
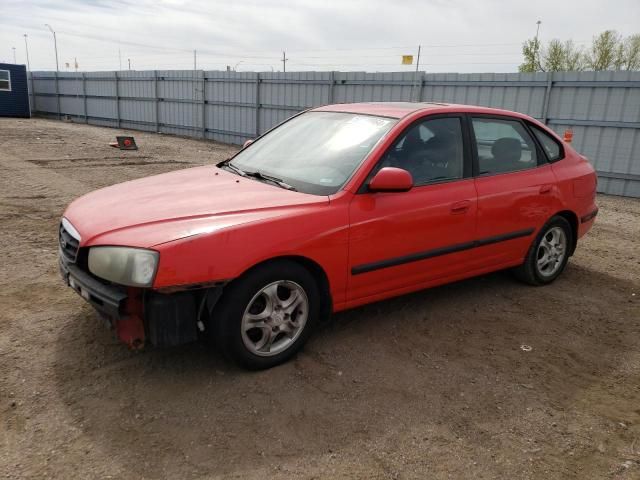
point(407, 59)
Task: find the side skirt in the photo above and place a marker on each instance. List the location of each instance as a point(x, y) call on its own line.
point(424, 285)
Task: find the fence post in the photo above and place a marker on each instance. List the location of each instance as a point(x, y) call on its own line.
point(258, 79)
point(117, 99)
point(547, 96)
point(58, 97)
point(32, 105)
point(332, 80)
point(157, 99)
point(421, 87)
point(204, 104)
point(84, 97)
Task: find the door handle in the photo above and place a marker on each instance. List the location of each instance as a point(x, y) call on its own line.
point(460, 207)
point(546, 188)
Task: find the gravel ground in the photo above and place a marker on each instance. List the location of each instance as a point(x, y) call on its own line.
point(429, 385)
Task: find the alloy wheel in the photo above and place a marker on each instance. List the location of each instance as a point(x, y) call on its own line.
point(274, 318)
point(551, 251)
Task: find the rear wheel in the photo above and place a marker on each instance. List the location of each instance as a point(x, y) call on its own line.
point(548, 255)
point(266, 316)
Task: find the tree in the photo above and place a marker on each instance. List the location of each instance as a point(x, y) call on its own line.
point(632, 52)
point(573, 57)
point(605, 53)
point(554, 57)
point(530, 49)
point(609, 51)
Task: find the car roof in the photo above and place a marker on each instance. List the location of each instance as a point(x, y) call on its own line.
point(402, 109)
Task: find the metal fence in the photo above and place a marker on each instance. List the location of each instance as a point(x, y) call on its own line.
point(602, 108)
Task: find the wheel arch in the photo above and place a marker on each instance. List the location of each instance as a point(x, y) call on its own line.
point(572, 218)
point(314, 268)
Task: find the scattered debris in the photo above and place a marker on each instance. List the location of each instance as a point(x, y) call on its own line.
point(125, 143)
point(526, 348)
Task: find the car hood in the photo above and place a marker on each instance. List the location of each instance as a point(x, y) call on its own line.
point(171, 206)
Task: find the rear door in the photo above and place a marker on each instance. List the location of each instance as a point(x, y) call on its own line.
point(400, 240)
point(515, 185)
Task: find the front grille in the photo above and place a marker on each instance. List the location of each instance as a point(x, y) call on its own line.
point(68, 245)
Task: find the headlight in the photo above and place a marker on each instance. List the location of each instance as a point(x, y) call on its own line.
point(134, 267)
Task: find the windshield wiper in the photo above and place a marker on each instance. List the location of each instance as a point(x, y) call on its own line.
point(232, 167)
point(269, 178)
point(257, 175)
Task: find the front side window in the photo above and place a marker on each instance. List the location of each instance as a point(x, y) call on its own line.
point(503, 146)
point(550, 144)
point(431, 151)
point(5, 80)
point(315, 152)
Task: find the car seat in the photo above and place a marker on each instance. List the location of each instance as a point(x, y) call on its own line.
point(507, 153)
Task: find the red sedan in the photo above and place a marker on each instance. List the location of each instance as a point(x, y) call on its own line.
point(337, 207)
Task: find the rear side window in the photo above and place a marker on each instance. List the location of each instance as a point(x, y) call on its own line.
point(550, 144)
point(5, 80)
point(503, 146)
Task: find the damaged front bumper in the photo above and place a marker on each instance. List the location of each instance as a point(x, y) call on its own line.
point(143, 315)
point(120, 307)
point(109, 300)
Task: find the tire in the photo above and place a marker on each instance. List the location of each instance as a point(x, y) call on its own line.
point(266, 316)
point(557, 231)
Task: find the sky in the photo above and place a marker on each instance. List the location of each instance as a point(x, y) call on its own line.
point(345, 35)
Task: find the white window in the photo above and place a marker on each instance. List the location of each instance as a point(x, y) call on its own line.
point(5, 80)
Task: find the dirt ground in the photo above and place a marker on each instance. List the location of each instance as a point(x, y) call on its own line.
point(430, 385)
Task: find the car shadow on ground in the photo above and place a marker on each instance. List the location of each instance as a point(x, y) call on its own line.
point(453, 359)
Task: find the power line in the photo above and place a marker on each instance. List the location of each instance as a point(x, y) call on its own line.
point(245, 55)
point(392, 64)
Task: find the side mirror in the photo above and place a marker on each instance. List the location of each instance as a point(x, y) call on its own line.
point(247, 143)
point(391, 179)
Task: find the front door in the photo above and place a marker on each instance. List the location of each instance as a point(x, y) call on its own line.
point(401, 240)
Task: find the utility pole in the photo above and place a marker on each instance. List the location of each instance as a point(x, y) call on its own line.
point(14, 54)
point(415, 75)
point(55, 44)
point(75, 63)
point(284, 61)
point(537, 54)
point(194, 60)
point(129, 60)
point(120, 58)
point(26, 47)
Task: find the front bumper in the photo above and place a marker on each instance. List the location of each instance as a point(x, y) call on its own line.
point(109, 300)
point(139, 315)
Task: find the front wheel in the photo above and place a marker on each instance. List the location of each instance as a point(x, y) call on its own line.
point(266, 316)
point(548, 255)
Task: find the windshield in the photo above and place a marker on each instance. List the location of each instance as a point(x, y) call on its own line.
point(315, 152)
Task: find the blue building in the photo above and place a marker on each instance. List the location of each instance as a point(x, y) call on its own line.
point(14, 92)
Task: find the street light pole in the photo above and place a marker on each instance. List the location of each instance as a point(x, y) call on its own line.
point(55, 44)
point(26, 47)
point(537, 55)
point(31, 95)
